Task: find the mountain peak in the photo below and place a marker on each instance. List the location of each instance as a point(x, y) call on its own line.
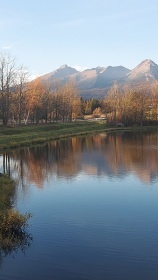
point(148, 62)
point(96, 81)
point(63, 66)
point(146, 70)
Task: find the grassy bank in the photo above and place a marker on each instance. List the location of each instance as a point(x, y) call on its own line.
point(35, 134)
point(13, 225)
point(7, 190)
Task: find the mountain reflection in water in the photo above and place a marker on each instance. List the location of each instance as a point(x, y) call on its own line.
point(102, 155)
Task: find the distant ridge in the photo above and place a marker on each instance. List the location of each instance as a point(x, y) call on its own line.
point(61, 73)
point(147, 70)
point(96, 81)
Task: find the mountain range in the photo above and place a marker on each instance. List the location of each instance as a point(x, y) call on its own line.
point(96, 82)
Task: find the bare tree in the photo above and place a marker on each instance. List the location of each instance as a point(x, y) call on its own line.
point(153, 106)
point(7, 81)
point(20, 95)
point(113, 103)
point(68, 101)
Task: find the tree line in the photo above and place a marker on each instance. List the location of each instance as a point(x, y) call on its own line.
point(22, 101)
point(36, 102)
point(59, 155)
point(137, 105)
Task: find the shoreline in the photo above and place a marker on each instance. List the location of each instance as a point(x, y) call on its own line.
point(27, 136)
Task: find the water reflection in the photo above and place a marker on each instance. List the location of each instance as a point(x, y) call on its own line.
point(11, 246)
point(88, 227)
point(101, 155)
point(14, 236)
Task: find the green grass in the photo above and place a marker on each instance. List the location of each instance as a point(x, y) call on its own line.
point(36, 134)
point(13, 234)
point(7, 190)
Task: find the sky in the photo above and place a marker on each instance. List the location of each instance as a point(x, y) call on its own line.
point(43, 35)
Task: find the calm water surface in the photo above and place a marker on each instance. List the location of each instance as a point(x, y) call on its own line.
point(94, 202)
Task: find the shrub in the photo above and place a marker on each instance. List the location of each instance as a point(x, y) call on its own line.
point(13, 234)
point(13, 223)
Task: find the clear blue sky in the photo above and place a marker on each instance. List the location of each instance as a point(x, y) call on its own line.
point(45, 34)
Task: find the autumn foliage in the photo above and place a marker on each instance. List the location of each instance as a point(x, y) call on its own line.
point(38, 101)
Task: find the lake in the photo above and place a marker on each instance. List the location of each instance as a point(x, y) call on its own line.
point(94, 202)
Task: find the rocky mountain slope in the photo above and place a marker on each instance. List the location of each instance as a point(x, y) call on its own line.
point(147, 70)
point(96, 81)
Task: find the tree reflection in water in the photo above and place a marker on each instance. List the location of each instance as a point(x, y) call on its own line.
point(112, 154)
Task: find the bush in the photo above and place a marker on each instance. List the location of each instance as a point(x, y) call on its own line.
point(13, 223)
point(13, 234)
